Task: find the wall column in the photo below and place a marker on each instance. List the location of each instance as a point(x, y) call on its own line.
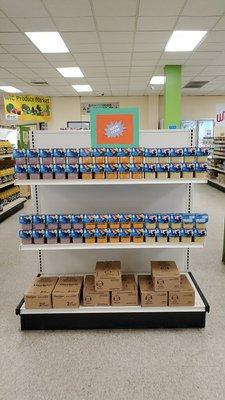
point(172, 96)
point(153, 112)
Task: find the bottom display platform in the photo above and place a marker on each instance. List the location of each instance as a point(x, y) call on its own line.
point(117, 317)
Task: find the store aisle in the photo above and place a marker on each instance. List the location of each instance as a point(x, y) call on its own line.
point(115, 365)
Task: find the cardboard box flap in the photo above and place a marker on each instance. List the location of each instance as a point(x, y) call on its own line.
point(89, 284)
point(164, 269)
point(128, 283)
point(108, 269)
point(68, 285)
point(41, 285)
point(145, 283)
point(185, 284)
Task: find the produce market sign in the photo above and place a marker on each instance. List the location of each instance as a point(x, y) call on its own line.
point(114, 128)
point(86, 107)
point(220, 115)
point(27, 108)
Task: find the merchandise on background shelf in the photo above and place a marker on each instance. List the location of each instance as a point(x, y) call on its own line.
point(114, 221)
point(21, 171)
point(128, 295)
point(113, 235)
point(150, 221)
point(175, 171)
point(137, 171)
point(111, 171)
point(186, 235)
point(176, 220)
point(99, 154)
point(124, 235)
point(162, 171)
point(77, 221)
point(32, 156)
point(161, 235)
point(20, 156)
point(101, 221)
point(89, 221)
point(26, 236)
point(38, 221)
point(163, 221)
point(46, 171)
point(163, 156)
point(150, 156)
point(5, 147)
point(125, 220)
point(111, 155)
point(38, 236)
point(72, 171)
point(91, 297)
point(165, 275)
point(108, 276)
point(45, 156)
point(58, 156)
point(137, 221)
point(149, 171)
point(76, 235)
point(34, 171)
point(101, 235)
point(149, 297)
point(85, 155)
point(137, 155)
point(51, 221)
point(86, 171)
point(150, 235)
point(64, 236)
point(51, 236)
point(6, 175)
point(124, 171)
point(89, 235)
point(9, 195)
point(176, 155)
point(200, 170)
point(67, 292)
point(124, 154)
point(189, 154)
point(59, 171)
point(187, 170)
point(72, 156)
point(173, 235)
point(199, 235)
point(137, 235)
point(202, 154)
point(184, 297)
point(26, 222)
point(39, 292)
point(188, 221)
point(98, 171)
point(65, 221)
point(201, 221)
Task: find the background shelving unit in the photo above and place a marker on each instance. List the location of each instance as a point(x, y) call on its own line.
point(65, 197)
point(216, 172)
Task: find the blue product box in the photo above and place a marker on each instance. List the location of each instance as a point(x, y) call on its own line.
point(137, 154)
point(174, 235)
point(45, 156)
point(86, 171)
point(101, 235)
point(111, 171)
point(65, 221)
point(114, 221)
point(51, 236)
point(32, 156)
point(101, 221)
point(125, 220)
point(34, 171)
point(76, 235)
point(163, 221)
point(161, 235)
point(162, 171)
point(137, 235)
point(59, 156)
point(89, 221)
point(188, 221)
point(200, 170)
point(99, 153)
point(86, 155)
point(124, 155)
point(137, 220)
point(149, 171)
point(21, 171)
point(189, 154)
point(51, 221)
point(187, 170)
point(202, 152)
point(150, 155)
point(201, 221)
point(175, 171)
point(38, 221)
point(20, 156)
point(89, 235)
point(124, 171)
point(150, 221)
point(99, 171)
point(38, 236)
point(26, 222)
point(59, 171)
point(26, 236)
point(136, 171)
point(113, 235)
point(72, 156)
point(150, 235)
point(64, 236)
point(176, 152)
point(199, 235)
point(163, 155)
point(72, 171)
point(176, 221)
point(46, 171)
point(111, 155)
point(124, 235)
point(186, 235)
point(77, 221)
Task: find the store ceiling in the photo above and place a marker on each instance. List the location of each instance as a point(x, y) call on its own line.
point(118, 44)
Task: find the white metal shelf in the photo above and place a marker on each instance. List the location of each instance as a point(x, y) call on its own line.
point(12, 204)
point(217, 169)
point(215, 181)
point(2, 156)
point(222, 157)
point(5, 184)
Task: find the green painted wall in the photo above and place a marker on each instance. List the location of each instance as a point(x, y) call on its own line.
point(172, 96)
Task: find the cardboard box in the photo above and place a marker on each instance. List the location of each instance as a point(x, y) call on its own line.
point(185, 296)
point(39, 293)
point(66, 293)
point(91, 297)
point(128, 295)
point(108, 276)
point(150, 298)
point(165, 275)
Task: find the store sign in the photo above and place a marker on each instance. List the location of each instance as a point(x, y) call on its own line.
point(115, 128)
point(86, 107)
point(27, 108)
point(220, 114)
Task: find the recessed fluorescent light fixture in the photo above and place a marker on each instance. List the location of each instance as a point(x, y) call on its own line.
point(157, 80)
point(71, 72)
point(48, 42)
point(82, 88)
point(184, 40)
point(10, 89)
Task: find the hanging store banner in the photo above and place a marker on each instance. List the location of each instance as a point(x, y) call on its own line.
point(115, 128)
point(86, 107)
point(27, 108)
point(220, 115)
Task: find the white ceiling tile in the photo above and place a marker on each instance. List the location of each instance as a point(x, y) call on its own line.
point(159, 8)
point(20, 48)
point(118, 92)
point(153, 36)
point(98, 81)
point(5, 74)
point(205, 54)
point(171, 62)
point(215, 70)
point(117, 57)
point(7, 26)
point(57, 81)
point(211, 46)
point(141, 71)
point(149, 46)
point(173, 55)
point(46, 72)
point(116, 37)
point(143, 63)
point(80, 57)
point(100, 88)
point(68, 8)
point(140, 80)
point(25, 74)
point(116, 63)
point(116, 80)
point(215, 36)
point(2, 50)
point(118, 71)
point(107, 8)
point(13, 38)
point(8, 64)
point(154, 55)
point(155, 24)
point(196, 23)
point(204, 8)
point(35, 24)
point(63, 64)
point(137, 86)
point(30, 57)
point(220, 25)
point(135, 93)
point(116, 47)
point(85, 48)
point(116, 23)
point(94, 71)
point(36, 65)
point(75, 24)
point(24, 8)
point(197, 61)
point(80, 37)
point(192, 69)
point(59, 57)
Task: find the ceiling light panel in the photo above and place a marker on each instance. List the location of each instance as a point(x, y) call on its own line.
point(48, 42)
point(82, 88)
point(71, 72)
point(184, 40)
point(10, 89)
point(157, 80)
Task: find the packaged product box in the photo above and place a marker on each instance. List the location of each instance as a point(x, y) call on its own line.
point(20, 156)
point(150, 221)
point(202, 154)
point(163, 156)
point(200, 170)
point(65, 221)
point(137, 171)
point(125, 235)
point(85, 155)
point(199, 235)
point(64, 236)
point(125, 220)
point(124, 155)
point(38, 236)
point(174, 235)
point(59, 171)
point(128, 295)
point(137, 235)
point(189, 154)
point(114, 221)
point(33, 156)
point(176, 221)
point(149, 297)
point(176, 155)
point(72, 156)
point(111, 171)
point(175, 171)
point(72, 171)
point(187, 171)
point(108, 276)
point(51, 236)
point(201, 220)
point(77, 221)
point(149, 235)
point(39, 292)
point(101, 235)
point(149, 171)
point(162, 171)
point(67, 292)
point(161, 235)
point(137, 155)
point(26, 222)
point(101, 221)
point(163, 221)
point(165, 275)
point(113, 235)
point(86, 171)
point(46, 171)
point(188, 221)
point(59, 156)
point(137, 221)
point(185, 296)
point(98, 171)
point(99, 154)
point(38, 221)
point(89, 235)
point(89, 221)
point(111, 155)
point(45, 156)
point(51, 221)
point(26, 236)
point(91, 297)
point(186, 235)
point(124, 171)
point(150, 155)
point(34, 171)
point(21, 171)
point(76, 235)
